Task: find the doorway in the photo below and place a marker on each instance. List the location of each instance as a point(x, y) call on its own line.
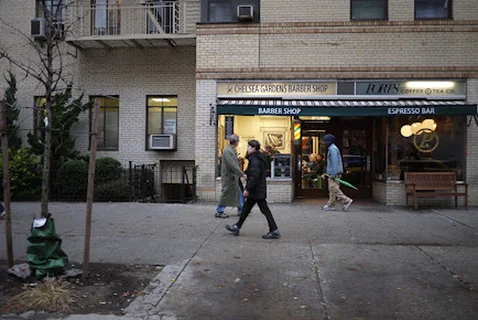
point(353, 137)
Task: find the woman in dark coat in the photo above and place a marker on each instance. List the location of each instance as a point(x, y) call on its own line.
point(256, 191)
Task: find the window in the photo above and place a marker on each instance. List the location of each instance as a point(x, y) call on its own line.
point(225, 11)
point(432, 9)
point(369, 9)
point(55, 8)
point(38, 108)
point(424, 144)
point(108, 123)
point(162, 114)
point(106, 17)
point(56, 12)
point(220, 12)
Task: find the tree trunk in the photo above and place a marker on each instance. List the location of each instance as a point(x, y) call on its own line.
point(48, 116)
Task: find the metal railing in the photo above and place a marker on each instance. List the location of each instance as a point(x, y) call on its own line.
point(148, 18)
point(134, 183)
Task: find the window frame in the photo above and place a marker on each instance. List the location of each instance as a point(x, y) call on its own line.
point(104, 147)
point(111, 15)
point(59, 13)
point(37, 110)
point(450, 12)
point(380, 19)
point(205, 13)
point(162, 114)
point(57, 20)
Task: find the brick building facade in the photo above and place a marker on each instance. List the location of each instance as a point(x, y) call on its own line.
point(152, 51)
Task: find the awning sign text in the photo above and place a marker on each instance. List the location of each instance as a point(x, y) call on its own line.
point(279, 111)
point(411, 111)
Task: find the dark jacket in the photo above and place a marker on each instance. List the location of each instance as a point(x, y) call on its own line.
point(256, 176)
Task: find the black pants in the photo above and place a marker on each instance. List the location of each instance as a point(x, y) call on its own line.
point(250, 202)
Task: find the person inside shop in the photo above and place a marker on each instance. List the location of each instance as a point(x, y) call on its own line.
point(255, 191)
point(314, 168)
point(334, 170)
point(231, 174)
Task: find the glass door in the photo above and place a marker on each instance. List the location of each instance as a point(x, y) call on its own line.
point(356, 160)
point(353, 137)
point(311, 155)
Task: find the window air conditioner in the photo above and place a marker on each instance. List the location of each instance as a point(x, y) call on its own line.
point(245, 12)
point(37, 27)
point(162, 142)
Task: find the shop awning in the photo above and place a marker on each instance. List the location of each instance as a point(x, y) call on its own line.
point(341, 108)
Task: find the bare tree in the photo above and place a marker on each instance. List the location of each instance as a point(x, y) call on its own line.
point(48, 68)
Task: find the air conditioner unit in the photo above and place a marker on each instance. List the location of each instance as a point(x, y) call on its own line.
point(245, 12)
point(37, 27)
point(162, 142)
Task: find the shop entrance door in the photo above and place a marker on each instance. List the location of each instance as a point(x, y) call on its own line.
point(353, 138)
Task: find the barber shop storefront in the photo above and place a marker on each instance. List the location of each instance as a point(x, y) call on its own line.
point(383, 128)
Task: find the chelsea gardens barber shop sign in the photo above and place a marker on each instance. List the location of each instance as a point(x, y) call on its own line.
point(275, 89)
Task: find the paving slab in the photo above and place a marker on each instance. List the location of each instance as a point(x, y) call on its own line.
point(389, 282)
point(247, 279)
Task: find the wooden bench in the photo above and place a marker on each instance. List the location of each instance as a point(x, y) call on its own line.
point(433, 184)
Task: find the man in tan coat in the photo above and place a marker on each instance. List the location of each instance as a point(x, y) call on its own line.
point(231, 195)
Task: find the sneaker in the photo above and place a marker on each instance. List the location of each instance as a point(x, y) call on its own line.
point(221, 215)
point(327, 208)
point(234, 229)
point(272, 235)
point(2, 214)
point(347, 205)
point(239, 212)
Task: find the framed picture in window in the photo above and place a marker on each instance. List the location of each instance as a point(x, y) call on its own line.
point(274, 138)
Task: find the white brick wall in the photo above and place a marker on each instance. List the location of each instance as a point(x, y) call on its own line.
point(133, 74)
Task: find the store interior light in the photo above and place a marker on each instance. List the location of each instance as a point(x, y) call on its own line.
point(406, 131)
point(324, 118)
point(417, 128)
point(316, 118)
point(429, 124)
point(430, 84)
point(161, 100)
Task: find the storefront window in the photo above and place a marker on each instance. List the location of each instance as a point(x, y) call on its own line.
point(426, 144)
point(379, 149)
point(272, 132)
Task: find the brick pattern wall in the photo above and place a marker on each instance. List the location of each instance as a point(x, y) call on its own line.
point(370, 51)
point(472, 145)
point(133, 74)
point(339, 10)
point(206, 140)
point(379, 191)
point(14, 24)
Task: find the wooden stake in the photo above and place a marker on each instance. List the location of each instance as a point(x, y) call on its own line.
point(6, 185)
point(91, 185)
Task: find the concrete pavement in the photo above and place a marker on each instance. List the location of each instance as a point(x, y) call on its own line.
point(371, 262)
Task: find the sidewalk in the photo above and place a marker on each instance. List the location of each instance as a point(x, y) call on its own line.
point(371, 262)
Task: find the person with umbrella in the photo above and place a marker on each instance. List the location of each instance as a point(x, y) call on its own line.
point(334, 171)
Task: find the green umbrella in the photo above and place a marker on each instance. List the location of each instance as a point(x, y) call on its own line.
point(345, 183)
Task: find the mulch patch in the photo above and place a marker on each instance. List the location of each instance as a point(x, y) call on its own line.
point(109, 289)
